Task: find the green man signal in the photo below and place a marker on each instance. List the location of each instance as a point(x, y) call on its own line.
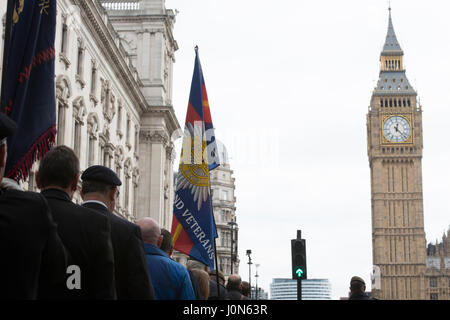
point(298, 247)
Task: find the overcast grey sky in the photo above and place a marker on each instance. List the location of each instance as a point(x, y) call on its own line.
point(289, 84)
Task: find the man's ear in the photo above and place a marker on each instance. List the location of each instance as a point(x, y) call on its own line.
point(74, 185)
point(3, 151)
point(112, 194)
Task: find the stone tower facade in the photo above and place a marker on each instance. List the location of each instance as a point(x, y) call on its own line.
point(394, 141)
point(224, 208)
point(145, 32)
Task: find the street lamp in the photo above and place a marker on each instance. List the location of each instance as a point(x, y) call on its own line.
point(232, 223)
point(256, 278)
point(249, 252)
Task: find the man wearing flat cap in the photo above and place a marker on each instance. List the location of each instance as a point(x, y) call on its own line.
point(32, 256)
point(357, 289)
point(99, 192)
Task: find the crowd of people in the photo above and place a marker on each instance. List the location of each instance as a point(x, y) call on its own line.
point(52, 248)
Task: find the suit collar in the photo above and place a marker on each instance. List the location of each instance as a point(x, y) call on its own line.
point(96, 206)
point(56, 194)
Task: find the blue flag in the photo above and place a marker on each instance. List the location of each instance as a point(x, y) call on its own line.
point(28, 95)
point(193, 226)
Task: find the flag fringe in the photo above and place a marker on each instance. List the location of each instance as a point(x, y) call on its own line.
point(38, 149)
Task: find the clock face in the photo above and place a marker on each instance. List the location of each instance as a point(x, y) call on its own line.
point(396, 129)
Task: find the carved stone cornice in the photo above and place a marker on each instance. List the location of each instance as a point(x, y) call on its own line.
point(154, 136)
point(167, 112)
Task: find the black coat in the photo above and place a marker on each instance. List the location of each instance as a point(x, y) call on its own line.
point(86, 235)
point(213, 294)
point(32, 257)
point(234, 294)
point(131, 272)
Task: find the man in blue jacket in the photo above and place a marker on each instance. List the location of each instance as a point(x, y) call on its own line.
point(170, 279)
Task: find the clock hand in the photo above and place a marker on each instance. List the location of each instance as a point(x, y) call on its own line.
point(396, 128)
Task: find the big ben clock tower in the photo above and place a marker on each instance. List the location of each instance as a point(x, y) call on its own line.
point(394, 145)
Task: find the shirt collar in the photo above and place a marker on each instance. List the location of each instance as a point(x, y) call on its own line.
point(95, 201)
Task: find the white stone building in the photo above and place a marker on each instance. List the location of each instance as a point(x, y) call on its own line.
point(224, 208)
point(113, 74)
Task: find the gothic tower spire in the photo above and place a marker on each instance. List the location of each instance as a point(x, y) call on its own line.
point(394, 128)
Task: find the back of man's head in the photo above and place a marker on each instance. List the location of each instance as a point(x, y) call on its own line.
point(151, 232)
point(192, 264)
point(357, 285)
point(167, 242)
point(245, 288)
point(234, 282)
point(60, 167)
point(92, 186)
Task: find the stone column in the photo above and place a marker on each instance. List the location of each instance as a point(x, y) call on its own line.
point(151, 186)
point(168, 186)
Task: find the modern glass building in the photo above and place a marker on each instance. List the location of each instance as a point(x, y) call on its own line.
point(312, 289)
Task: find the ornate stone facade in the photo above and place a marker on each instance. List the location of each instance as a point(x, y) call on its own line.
point(438, 269)
point(105, 109)
point(224, 208)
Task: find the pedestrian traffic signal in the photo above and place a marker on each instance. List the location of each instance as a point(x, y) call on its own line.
point(298, 247)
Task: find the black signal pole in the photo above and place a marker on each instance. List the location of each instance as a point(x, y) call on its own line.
point(299, 281)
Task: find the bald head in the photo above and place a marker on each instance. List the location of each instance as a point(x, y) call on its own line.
point(234, 282)
point(151, 232)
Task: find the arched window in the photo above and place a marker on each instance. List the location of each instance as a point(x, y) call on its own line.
point(381, 102)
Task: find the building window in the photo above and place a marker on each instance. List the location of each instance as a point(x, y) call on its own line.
point(64, 38)
point(91, 150)
point(80, 60)
point(434, 296)
point(433, 282)
point(224, 195)
point(119, 118)
point(77, 138)
point(60, 125)
point(93, 78)
point(128, 129)
point(136, 139)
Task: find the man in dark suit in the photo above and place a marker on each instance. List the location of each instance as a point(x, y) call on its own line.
point(85, 233)
point(32, 257)
point(99, 191)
